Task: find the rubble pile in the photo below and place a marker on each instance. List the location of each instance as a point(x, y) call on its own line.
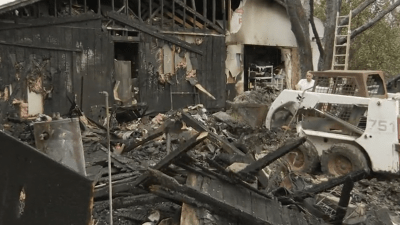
point(193, 167)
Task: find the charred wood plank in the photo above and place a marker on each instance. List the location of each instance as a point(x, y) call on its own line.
point(190, 121)
point(167, 160)
point(258, 165)
point(169, 125)
point(153, 32)
point(183, 193)
point(125, 202)
point(42, 47)
point(49, 21)
point(315, 189)
point(122, 187)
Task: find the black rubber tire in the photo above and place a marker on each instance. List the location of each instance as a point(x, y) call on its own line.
point(281, 117)
point(304, 158)
point(341, 159)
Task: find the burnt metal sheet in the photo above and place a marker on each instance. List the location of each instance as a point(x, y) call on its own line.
point(37, 190)
point(61, 140)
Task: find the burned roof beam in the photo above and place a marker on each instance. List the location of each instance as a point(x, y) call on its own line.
point(315, 189)
point(194, 12)
point(42, 22)
point(155, 33)
point(167, 160)
point(258, 165)
point(42, 47)
point(226, 145)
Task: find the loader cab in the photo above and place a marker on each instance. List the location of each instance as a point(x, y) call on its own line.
point(360, 83)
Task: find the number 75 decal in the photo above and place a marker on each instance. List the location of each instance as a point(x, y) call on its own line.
point(382, 125)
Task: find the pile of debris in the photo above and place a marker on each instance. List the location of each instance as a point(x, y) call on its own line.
point(192, 167)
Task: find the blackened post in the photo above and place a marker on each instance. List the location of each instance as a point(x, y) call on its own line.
point(112, 5)
point(194, 15)
point(162, 13)
point(229, 7)
point(224, 14)
point(55, 7)
point(126, 7)
point(344, 201)
point(140, 10)
point(184, 14)
point(150, 10)
point(70, 7)
point(213, 11)
point(205, 12)
point(98, 8)
point(173, 15)
point(84, 5)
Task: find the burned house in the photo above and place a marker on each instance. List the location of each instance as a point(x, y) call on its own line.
point(162, 53)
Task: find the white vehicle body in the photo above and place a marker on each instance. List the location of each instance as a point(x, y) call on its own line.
point(379, 140)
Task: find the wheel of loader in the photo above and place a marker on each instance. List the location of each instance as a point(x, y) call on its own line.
point(341, 159)
point(304, 158)
point(281, 118)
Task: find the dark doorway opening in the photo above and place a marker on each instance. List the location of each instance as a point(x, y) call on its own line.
point(260, 56)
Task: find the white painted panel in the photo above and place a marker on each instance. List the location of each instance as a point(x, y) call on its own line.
point(35, 103)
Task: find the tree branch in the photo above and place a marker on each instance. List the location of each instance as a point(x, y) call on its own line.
point(356, 11)
point(378, 17)
point(314, 29)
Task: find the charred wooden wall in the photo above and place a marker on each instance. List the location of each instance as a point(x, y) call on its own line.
point(209, 67)
point(74, 60)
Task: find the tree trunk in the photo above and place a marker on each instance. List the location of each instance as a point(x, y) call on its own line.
point(299, 22)
point(332, 7)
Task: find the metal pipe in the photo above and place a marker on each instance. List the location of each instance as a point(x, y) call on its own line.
point(344, 123)
point(109, 157)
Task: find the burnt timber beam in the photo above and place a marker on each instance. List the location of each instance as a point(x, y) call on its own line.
point(258, 165)
point(195, 13)
point(38, 190)
point(125, 202)
point(227, 146)
point(153, 32)
point(167, 126)
point(42, 47)
point(167, 160)
point(191, 196)
point(41, 22)
point(315, 189)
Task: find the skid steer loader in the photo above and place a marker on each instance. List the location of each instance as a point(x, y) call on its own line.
point(349, 120)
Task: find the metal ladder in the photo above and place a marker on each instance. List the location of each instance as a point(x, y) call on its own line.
point(340, 60)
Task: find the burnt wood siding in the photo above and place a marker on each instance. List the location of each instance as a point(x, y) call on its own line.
point(210, 74)
point(65, 69)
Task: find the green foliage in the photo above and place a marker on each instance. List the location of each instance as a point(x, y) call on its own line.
point(377, 48)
